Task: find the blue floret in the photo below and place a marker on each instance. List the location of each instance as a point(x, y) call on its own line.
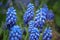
point(47, 35)
point(29, 14)
point(11, 17)
point(50, 15)
point(15, 33)
point(40, 18)
point(34, 35)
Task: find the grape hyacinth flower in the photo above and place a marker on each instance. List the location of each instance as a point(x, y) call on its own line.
point(31, 26)
point(0, 4)
point(50, 15)
point(34, 34)
point(15, 33)
point(40, 18)
point(11, 17)
point(47, 35)
point(33, 31)
point(29, 14)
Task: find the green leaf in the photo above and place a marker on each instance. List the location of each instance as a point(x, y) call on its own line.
point(57, 20)
point(56, 7)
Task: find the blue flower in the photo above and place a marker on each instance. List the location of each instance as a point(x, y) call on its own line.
point(29, 14)
point(40, 18)
point(33, 31)
point(34, 34)
point(50, 15)
point(31, 23)
point(11, 10)
point(15, 33)
point(1, 4)
point(31, 26)
point(47, 35)
point(11, 17)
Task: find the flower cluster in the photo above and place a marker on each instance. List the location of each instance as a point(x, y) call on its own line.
point(43, 14)
point(50, 15)
point(40, 18)
point(39, 22)
point(47, 35)
point(11, 17)
point(31, 26)
point(34, 34)
point(29, 14)
point(33, 31)
point(15, 33)
point(0, 3)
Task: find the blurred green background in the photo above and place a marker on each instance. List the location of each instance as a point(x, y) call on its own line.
point(20, 6)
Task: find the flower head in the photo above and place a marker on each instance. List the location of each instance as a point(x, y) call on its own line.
point(34, 35)
point(29, 14)
point(47, 35)
point(40, 17)
point(50, 15)
point(11, 17)
point(0, 3)
point(15, 33)
point(31, 26)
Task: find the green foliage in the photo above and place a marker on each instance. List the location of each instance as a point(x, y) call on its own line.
point(56, 7)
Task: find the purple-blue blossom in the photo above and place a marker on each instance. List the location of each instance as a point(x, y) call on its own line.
point(47, 35)
point(33, 31)
point(41, 16)
point(1, 4)
point(31, 26)
point(50, 15)
point(15, 33)
point(11, 17)
point(29, 13)
point(34, 34)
